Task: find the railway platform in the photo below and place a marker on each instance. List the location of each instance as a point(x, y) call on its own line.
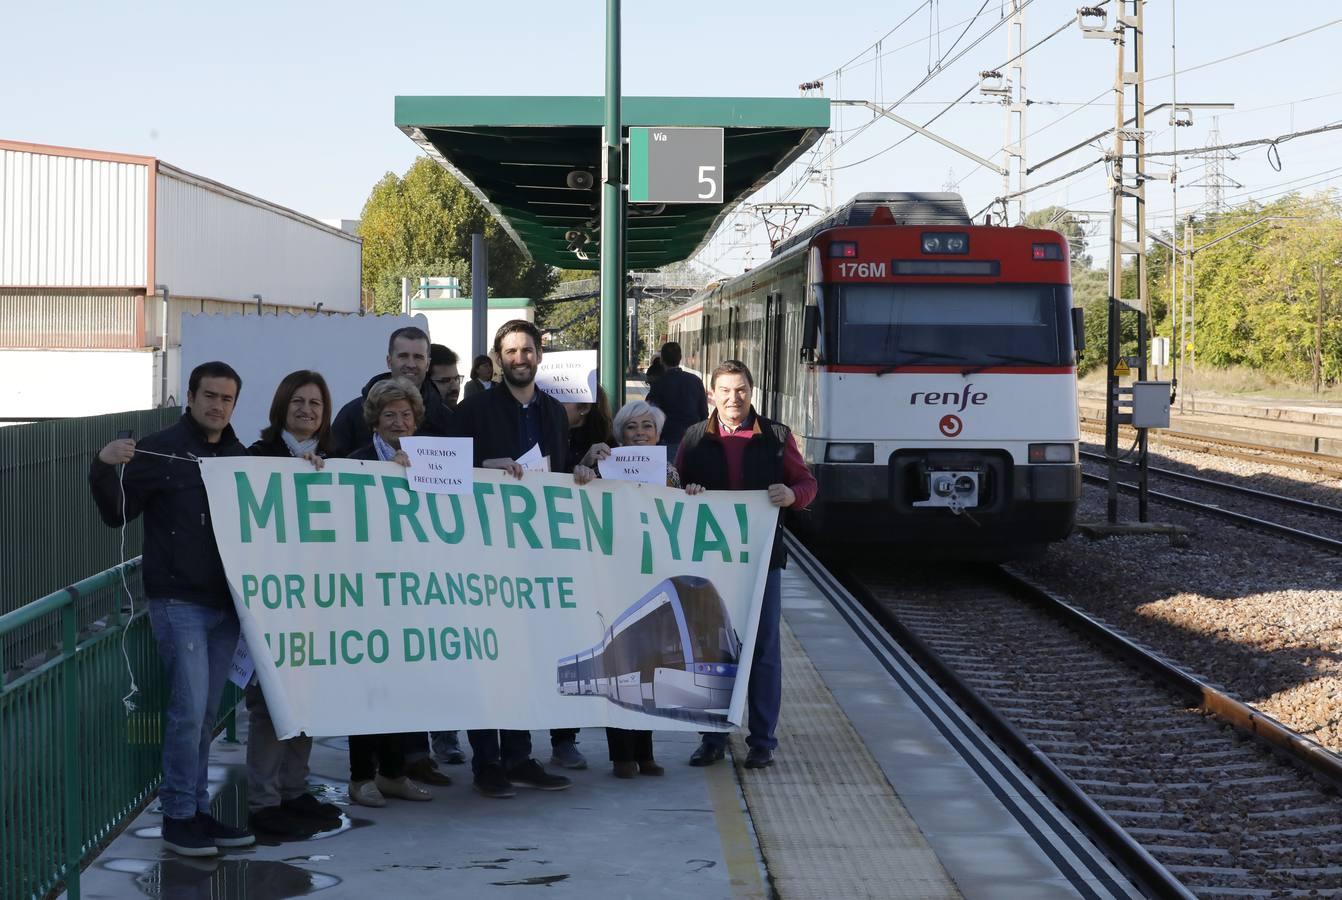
point(881, 789)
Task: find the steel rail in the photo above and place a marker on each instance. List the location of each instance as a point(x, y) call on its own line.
point(1307, 460)
point(1275, 528)
point(1308, 506)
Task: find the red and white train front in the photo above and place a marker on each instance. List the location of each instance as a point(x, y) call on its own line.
point(943, 387)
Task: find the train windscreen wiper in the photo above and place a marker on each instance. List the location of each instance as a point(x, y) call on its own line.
point(1003, 357)
point(912, 356)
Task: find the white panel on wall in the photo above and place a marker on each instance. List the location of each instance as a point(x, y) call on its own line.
point(346, 350)
point(66, 221)
point(40, 384)
point(219, 243)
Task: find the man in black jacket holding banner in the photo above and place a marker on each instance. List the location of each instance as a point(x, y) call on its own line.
point(506, 424)
point(190, 607)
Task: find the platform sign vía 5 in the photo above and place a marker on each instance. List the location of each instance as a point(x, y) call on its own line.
point(569, 376)
point(370, 607)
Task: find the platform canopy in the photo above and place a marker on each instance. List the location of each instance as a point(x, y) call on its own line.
point(516, 155)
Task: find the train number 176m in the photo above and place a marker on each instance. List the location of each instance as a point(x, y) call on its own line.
point(863, 269)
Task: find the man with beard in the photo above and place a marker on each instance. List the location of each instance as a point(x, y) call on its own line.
point(408, 358)
point(506, 423)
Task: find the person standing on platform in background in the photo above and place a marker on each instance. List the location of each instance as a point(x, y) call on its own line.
point(506, 422)
point(656, 369)
point(444, 375)
point(408, 358)
point(680, 395)
point(393, 409)
point(191, 609)
point(482, 376)
point(737, 449)
point(277, 771)
point(637, 424)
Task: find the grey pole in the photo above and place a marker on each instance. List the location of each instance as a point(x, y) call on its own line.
point(479, 294)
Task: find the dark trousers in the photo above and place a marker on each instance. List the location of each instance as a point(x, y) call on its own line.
point(372, 754)
point(765, 697)
point(627, 745)
point(415, 744)
point(563, 736)
point(504, 747)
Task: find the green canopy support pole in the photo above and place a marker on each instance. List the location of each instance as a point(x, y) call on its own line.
point(612, 205)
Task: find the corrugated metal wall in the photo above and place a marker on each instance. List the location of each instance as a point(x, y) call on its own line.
point(217, 243)
point(68, 222)
point(98, 320)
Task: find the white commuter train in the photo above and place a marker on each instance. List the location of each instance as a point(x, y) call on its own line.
point(927, 367)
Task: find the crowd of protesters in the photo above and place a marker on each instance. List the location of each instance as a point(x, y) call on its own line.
point(196, 627)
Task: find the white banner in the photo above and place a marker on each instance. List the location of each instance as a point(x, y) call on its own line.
point(370, 607)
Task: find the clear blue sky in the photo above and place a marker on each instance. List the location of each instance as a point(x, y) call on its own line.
point(292, 101)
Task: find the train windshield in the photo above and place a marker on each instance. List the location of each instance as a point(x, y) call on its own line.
point(711, 634)
point(951, 324)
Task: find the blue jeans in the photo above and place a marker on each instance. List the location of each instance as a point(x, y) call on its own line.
point(196, 644)
point(765, 696)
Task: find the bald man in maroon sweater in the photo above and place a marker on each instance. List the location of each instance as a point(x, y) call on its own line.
point(737, 449)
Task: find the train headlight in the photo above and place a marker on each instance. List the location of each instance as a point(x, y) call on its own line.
point(945, 242)
point(1052, 453)
point(850, 452)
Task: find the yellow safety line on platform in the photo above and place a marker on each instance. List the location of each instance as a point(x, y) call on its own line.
point(738, 846)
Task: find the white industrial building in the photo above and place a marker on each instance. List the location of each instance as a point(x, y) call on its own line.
point(102, 253)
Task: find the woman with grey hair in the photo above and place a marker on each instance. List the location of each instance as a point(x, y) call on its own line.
point(393, 409)
point(637, 424)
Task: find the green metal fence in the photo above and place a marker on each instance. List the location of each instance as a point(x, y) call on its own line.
point(50, 533)
point(76, 765)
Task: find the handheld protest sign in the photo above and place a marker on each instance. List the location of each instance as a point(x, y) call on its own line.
point(568, 376)
point(439, 465)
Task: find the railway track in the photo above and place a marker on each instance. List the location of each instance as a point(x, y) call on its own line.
point(1315, 523)
point(1300, 460)
point(1196, 794)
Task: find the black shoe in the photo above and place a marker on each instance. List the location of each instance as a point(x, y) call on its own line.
point(187, 838)
point(284, 823)
point(530, 774)
point(491, 782)
point(706, 754)
point(759, 758)
point(309, 807)
point(223, 835)
point(425, 771)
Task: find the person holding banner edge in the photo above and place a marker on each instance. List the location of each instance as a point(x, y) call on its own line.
point(506, 423)
point(277, 771)
point(736, 449)
point(191, 609)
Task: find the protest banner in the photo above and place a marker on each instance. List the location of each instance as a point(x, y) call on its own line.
point(534, 603)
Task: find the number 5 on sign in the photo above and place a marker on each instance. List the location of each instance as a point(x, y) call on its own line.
point(706, 177)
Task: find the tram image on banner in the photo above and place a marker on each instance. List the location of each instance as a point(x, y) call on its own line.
point(673, 653)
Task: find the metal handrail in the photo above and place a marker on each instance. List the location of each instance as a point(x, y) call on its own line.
point(67, 595)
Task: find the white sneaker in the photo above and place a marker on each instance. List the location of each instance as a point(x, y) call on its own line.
point(365, 793)
point(402, 788)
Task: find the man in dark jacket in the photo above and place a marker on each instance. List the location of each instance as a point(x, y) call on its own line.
point(190, 608)
point(739, 450)
point(408, 358)
point(506, 423)
point(680, 395)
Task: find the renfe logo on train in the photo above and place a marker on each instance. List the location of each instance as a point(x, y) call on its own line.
point(958, 399)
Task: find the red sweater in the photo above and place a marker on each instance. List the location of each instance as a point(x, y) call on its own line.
point(796, 474)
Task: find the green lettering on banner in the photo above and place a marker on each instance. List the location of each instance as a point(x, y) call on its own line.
point(519, 520)
point(251, 586)
point(402, 509)
point(361, 484)
point(566, 600)
point(703, 542)
point(601, 528)
point(458, 525)
point(307, 508)
point(293, 591)
point(557, 517)
point(482, 489)
point(272, 505)
point(671, 524)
